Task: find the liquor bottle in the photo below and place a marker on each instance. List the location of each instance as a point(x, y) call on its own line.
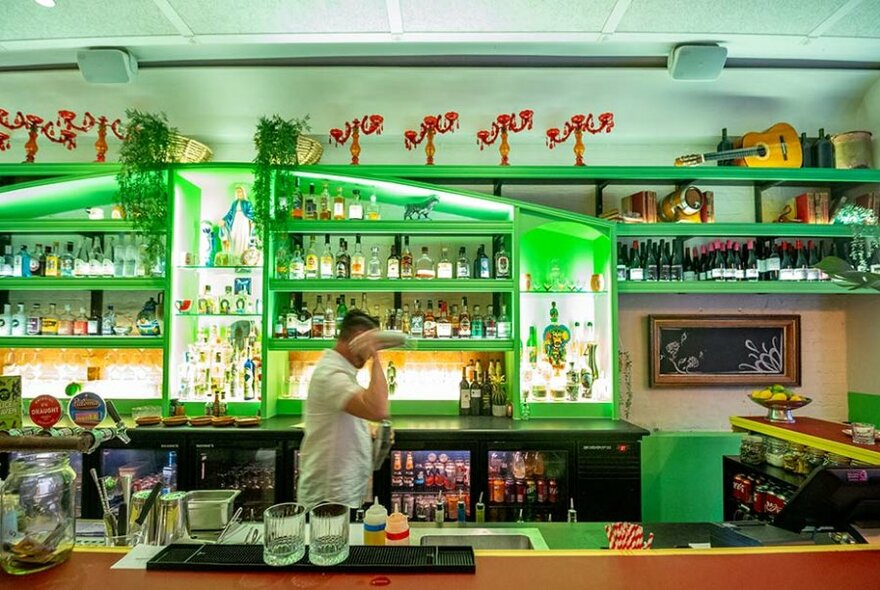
point(477, 391)
point(429, 329)
point(417, 322)
point(21, 264)
point(502, 263)
point(823, 152)
point(651, 263)
point(455, 320)
point(329, 320)
point(129, 257)
point(297, 210)
point(739, 272)
point(96, 259)
point(406, 320)
point(311, 204)
point(37, 260)
point(665, 266)
point(462, 265)
point(800, 265)
point(358, 260)
point(425, 265)
point(119, 260)
point(304, 322)
point(327, 262)
point(356, 206)
point(444, 265)
point(81, 260)
point(444, 326)
point(678, 263)
point(464, 320)
point(226, 302)
point(341, 310)
point(813, 260)
point(374, 265)
point(65, 322)
point(339, 205)
point(51, 263)
point(318, 319)
point(141, 261)
point(81, 323)
point(478, 328)
point(774, 263)
point(482, 266)
point(6, 320)
point(7, 262)
point(406, 261)
point(691, 264)
point(392, 265)
point(486, 397)
point(786, 264)
point(532, 345)
point(34, 323)
point(65, 262)
point(324, 211)
point(823, 276)
point(312, 261)
point(724, 145)
point(622, 262)
point(490, 324)
point(49, 321)
point(373, 211)
point(19, 321)
point(205, 304)
point(108, 322)
point(718, 265)
point(93, 328)
point(297, 267)
point(636, 271)
point(464, 394)
point(503, 331)
point(343, 261)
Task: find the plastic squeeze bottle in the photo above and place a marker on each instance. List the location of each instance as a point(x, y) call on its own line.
point(397, 529)
point(374, 524)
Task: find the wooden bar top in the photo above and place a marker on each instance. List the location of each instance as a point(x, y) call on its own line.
point(719, 569)
point(821, 434)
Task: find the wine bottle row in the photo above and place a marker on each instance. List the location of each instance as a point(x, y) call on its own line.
point(723, 260)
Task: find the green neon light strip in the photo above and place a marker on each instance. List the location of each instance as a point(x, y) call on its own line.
point(64, 226)
point(438, 286)
point(82, 284)
point(447, 228)
point(82, 342)
point(452, 344)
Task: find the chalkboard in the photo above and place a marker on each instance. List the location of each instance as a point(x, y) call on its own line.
point(724, 350)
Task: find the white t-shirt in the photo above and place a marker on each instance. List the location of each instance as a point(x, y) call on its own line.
point(336, 454)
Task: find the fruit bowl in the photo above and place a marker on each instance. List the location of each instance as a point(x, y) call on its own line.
point(780, 410)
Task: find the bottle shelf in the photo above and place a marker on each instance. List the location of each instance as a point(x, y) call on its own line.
point(382, 227)
point(760, 287)
point(65, 226)
point(82, 284)
point(439, 286)
point(426, 344)
point(82, 342)
point(563, 292)
point(218, 315)
point(236, 269)
point(731, 230)
point(776, 474)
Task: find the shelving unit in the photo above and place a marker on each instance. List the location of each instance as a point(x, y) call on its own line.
point(731, 230)
point(420, 344)
point(82, 342)
point(81, 284)
point(740, 287)
point(393, 286)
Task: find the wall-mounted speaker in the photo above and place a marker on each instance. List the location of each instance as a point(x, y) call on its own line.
point(107, 66)
point(696, 62)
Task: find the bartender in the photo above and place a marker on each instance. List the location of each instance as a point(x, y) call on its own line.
point(336, 453)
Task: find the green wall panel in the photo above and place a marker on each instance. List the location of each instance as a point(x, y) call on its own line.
point(864, 407)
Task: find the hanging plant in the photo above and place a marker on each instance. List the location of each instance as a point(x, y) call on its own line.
point(625, 361)
point(863, 223)
point(143, 177)
point(275, 141)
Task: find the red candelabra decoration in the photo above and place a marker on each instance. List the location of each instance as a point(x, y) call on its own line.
point(431, 126)
point(577, 125)
point(368, 125)
point(35, 126)
point(67, 120)
point(501, 126)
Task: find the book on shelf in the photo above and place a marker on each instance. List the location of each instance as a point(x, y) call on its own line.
point(707, 211)
point(813, 207)
point(870, 201)
point(642, 204)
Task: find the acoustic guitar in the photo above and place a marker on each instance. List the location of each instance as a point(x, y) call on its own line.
point(777, 147)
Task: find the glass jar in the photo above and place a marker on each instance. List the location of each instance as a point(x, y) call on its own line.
point(751, 450)
point(814, 458)
point(37, 504)
point(792, 459)
point(775, 451)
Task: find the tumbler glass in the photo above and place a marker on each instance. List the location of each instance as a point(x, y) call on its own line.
point(328, 538)
point(284, 538)
point(863, 433)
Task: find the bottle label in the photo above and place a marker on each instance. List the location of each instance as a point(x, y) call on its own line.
point(341, 270)
point(786, 274)
point(444, 270)
point(717, 274)
point(393, 269)
point(762, 266)
point(653, 271)
point(444, 330)
point(813, 274)
point(621, 272)
point(462, 270)
point(665, 272)
point(739, 274)
point(339, 210)
point(800, 274)
point(297, 271)
point(676, 273)
point(637, 274)
point(484, 269)
point(326, 269)
point(773, 265)
point(729, 274)
point(430, 329)
point(416, 326)
point(689, 275)
point(502, 267)
point(752, 274)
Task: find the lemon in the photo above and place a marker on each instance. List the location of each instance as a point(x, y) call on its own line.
point(795, 398)
point(763, 394)
point(779, 397)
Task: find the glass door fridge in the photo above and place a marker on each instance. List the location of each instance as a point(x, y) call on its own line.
point(527, 482)
point(252, 467)
point(420, 479)
point(144, 466)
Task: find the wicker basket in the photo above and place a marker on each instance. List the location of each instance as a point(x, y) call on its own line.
point(189, 151)
point(308, 150)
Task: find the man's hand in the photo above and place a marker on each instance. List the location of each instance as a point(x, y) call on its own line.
point(365, 345)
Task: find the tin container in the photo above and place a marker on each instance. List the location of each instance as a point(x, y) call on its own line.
point(853, 149)
point(210, 510)
point(173, 520)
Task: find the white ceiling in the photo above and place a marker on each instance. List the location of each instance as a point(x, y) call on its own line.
point(161, 30)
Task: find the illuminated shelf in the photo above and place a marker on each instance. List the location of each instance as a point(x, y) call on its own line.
point(760, 287)
point(438, 286)
point(82, 284)
point(419, 227)
point(427, 345)
point(241, 269)
point(725, 230)
point(563, 292)
point(65, 226)
point(218, 315)
point(82, 342)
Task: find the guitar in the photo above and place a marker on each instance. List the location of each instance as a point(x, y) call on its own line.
point(777, 147)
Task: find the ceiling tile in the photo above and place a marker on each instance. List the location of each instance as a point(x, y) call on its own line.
point(25, 20)
point(782, 17)
point(862, 21)
point(508, 16)
point(230, 17)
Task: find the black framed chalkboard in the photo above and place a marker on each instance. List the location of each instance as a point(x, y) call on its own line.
point(724, 350)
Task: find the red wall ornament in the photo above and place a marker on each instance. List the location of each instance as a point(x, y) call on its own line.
point(431, 125)
point(368, 125)
point(67, 121)
point(501, 126)
point(577, 125)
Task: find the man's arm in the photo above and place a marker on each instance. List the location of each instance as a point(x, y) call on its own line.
point(371, 403)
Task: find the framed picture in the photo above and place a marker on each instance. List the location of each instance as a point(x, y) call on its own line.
point(724, 350)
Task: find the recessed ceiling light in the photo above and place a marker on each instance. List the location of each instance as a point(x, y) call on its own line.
point(46, 3)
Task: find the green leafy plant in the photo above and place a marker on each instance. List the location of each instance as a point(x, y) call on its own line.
point(842, 271)
point(275, 141)
point(143, 176)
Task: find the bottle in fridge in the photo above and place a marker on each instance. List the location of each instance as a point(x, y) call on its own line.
point(532, 483)
point(422, 480)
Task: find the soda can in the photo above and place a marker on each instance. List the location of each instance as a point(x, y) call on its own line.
point(552, 491)
point(520, 491)
point(541, 490)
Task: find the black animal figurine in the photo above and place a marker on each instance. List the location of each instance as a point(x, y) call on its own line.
point(421, 209)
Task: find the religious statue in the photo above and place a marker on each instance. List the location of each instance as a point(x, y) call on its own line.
point(238, 224)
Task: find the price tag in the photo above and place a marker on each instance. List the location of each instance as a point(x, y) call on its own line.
point(87, 409)
point(45, 411)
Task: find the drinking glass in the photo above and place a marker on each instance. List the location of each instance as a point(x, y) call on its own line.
point(284, 533)
point(328, 539)
point(863, 433)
